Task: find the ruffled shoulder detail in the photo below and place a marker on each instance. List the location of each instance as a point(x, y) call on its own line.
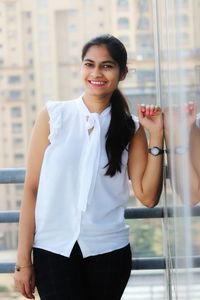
point(136, 121)
point(54, 109)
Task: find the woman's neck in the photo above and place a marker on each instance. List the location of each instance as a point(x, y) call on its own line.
point(96, 104)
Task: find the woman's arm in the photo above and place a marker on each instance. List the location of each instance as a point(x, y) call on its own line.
point(146, 170)
point(24, 278)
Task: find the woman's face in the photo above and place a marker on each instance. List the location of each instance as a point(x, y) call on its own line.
point(100, 73)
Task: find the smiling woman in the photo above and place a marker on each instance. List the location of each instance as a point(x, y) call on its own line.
point(81, 155)
point(101, 71)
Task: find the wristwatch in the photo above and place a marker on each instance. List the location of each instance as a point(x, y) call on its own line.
point(155, 151)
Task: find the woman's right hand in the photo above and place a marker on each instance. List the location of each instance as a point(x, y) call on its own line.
point(151, 118)
point(25, 282)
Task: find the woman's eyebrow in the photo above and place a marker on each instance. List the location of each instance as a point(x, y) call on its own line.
point(103, 62)
point(109, 62)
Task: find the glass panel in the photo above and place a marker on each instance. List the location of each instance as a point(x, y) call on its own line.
point(178, 57)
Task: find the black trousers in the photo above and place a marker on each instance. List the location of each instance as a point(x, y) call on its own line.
point(100, 277)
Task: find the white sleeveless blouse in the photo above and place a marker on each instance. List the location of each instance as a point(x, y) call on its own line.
point(75, 200)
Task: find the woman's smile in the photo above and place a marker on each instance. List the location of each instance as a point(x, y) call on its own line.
point(97, 83)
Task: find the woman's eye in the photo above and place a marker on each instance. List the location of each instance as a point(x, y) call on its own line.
point(107, 67)
point(89, 65)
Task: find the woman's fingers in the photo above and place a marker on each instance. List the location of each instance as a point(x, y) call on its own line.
point(148, 110)
point(28, 290)
point(33, 284)
point(20, 287)
point(25, 283)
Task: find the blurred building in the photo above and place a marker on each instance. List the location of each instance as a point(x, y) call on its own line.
point(40, 48)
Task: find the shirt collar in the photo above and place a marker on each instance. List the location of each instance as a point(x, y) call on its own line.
point(84, 109)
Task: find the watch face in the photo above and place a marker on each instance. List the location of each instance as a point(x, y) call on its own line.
point(155, 151)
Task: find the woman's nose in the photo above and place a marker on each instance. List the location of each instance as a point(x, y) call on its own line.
point(96, 72)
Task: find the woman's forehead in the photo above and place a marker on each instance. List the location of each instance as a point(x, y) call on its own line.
point(98, 52)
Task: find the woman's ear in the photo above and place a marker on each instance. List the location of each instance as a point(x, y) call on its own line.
point(123, 75)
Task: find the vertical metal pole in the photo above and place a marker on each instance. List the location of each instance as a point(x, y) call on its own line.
point(156, 51)
point(157, 58)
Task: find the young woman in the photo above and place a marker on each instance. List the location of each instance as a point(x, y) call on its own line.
point(81, 156)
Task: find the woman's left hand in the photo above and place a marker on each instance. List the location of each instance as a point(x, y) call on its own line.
point(150, 117)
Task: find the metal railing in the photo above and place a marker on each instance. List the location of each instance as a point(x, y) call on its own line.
point(14, 176)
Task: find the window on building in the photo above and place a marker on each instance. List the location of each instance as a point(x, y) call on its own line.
point(12, 34)
point(43, 20)
point(145, 76)
point(73, 44)
point(88, 1)
point(14, 79)
point(182, 20)
point(33, 107)
point(72, 28)
point(17, 141)
point(123, 23)
point(42, 3)
point(18, 156)
point(10, 7)
point(143, 23)
point(144, 41)
point(29, 30)
point(16, 127)
point(28, 14)
point(14, 95)
point(31, 77)
point(18, 159)
point(143, 5)
point(30, 62)
point(30, 46)
point(122, 4)
point(19, 187)
point(183, 38)
point(183, 3)
point(72, 12)
point(18, 203)
point(11, 19)
point(32, 92)
point(44, 36)
point(44, 52)
point(16, 112)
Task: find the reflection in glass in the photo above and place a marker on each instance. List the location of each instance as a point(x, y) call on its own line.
point(178, 55)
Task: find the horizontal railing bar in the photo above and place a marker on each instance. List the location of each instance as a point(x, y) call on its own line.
point(159, 212)
point(148, 263)
point(12, 175)
point(130, 213)
point(9, 216)
point(144, 213)
point(151, 263)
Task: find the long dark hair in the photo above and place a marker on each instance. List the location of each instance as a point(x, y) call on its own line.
point(122, 127)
